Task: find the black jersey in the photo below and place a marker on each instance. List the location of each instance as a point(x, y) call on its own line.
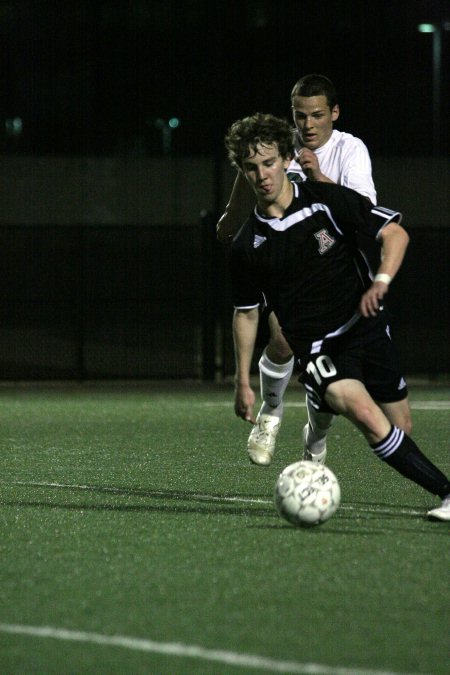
point(307, 265)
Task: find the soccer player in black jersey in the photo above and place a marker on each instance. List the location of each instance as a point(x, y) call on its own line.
point(298, 250)
point(323, 154)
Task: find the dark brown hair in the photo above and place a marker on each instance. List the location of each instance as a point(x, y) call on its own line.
point(260, 129)
point(315, 85)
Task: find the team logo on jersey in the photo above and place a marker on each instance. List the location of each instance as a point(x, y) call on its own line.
point(258, 240)
point(326, 241)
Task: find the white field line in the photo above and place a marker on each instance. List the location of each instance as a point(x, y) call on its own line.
point(414, 405)
point(365, 508)
point(430, 405)
point(188, 651)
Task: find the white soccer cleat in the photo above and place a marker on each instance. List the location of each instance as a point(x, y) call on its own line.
point(442, 512)
point(308, 453)
point(261, 442)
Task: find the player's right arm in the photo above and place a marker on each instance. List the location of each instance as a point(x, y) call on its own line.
point(309, 163)
point(241, 202)
point(245, 326)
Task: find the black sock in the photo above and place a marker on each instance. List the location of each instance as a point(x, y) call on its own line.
point(399, 451)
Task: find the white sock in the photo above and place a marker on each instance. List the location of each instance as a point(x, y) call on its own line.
point(319, 425)
point(274, 379)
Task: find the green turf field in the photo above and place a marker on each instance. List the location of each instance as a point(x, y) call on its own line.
point(137, 538)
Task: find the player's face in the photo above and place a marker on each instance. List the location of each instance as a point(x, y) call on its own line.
point(314, 120)
point(265, 170)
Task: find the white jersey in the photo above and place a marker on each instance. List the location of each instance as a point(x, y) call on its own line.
point(345, 160)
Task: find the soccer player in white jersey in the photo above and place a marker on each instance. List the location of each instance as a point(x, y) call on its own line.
point(322, 154)
point(298, 250)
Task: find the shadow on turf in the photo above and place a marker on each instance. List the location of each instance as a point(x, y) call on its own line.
point(163, 508)
point(222, 505)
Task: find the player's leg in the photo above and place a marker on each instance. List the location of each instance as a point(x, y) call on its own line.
point(381, 367)
point(398, 414)
point(351, 399)
point(315, 433)
point(391, 444)
point(277, 357)
point(275, 370)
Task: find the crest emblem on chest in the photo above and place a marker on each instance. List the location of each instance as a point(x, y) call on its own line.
point(326, 241)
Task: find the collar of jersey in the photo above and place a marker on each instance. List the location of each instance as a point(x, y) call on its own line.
point(283, 224)
point(318, 151)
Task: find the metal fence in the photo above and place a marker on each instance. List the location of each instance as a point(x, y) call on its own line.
point(101, 302)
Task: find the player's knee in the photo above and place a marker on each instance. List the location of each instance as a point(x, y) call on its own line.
point(278, 349)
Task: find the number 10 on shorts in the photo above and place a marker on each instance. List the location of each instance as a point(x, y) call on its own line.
point(322, 368)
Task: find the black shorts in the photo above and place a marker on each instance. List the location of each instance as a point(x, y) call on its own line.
point(365, 353)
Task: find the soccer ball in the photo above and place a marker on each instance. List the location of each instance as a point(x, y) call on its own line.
point(307, 493)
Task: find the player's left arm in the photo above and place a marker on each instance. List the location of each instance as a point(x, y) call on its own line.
point(394, 242)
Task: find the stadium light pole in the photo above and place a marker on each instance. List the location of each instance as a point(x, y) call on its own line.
point(435, 29)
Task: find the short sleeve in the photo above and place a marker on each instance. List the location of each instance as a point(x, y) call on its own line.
point(354, 213)
point(246, 293)
point(356, 170)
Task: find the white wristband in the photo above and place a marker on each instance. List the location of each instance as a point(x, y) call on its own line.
point(385, 278)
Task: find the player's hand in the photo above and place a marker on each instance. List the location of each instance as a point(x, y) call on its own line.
point(226, 228)
point(371, 300)
point(309, 163)
point(244, 400)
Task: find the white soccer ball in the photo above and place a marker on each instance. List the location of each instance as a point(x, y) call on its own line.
point(307, 493)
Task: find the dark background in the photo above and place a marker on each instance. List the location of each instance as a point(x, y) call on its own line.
point(90, 291)
point(92, 76)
